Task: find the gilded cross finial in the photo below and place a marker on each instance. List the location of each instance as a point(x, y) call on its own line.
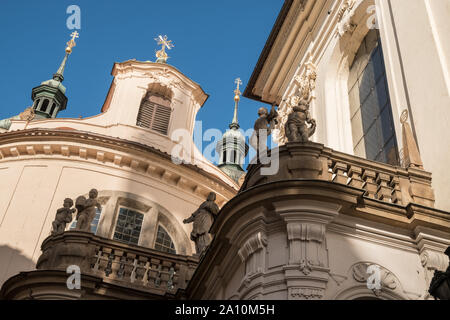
point(161, 55)
point(238, 82)
point(237, 94)
point(72, 42)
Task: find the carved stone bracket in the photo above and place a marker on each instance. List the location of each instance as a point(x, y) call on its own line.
point(255, 243)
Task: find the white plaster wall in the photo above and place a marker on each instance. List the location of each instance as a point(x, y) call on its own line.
point(416, 50)
point(32, 191)
point(423, 27)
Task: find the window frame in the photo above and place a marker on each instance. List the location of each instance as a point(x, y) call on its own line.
point(380, 79)
point(160, 225)
point(117, 219)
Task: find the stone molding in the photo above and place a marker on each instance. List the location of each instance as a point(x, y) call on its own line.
point(383, 182)
point(167, 75)
point(95, 149)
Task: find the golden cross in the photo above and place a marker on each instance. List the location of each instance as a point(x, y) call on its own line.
point(238, 84)
point(164, 43)
point(75, 35)
point(72, 42)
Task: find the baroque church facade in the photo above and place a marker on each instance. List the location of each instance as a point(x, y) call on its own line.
point(365, 198)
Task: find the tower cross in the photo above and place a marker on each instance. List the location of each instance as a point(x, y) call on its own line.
point(238, 82)
point(75, 35)
point(164, 43)
point(72, 42)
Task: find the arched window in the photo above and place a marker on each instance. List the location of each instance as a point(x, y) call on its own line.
point(224, 157)
point(52, 110)
point(128, 227)
point(164, 242)
point(45, 105)
point(36, 105)
point(154, 113)
point(374, 135)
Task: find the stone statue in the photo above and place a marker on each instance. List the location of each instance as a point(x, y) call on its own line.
point(28, 114)
point(86, 210)
point(296, 128)
point(203, 219)
point(440, 284)
point(263, 128)
point(63, 217)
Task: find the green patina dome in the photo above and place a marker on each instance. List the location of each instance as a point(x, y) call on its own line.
point(55, 84)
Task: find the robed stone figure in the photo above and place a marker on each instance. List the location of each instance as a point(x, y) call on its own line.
point(203, 218)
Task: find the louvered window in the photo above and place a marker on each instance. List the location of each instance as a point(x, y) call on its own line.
point(154, 114)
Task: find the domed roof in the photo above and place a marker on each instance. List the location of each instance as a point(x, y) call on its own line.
point(55, 84)
point(233, 133)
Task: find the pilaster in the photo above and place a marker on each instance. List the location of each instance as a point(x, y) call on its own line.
point(307, 272)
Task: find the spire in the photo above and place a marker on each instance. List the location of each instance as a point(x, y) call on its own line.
point(237, 98)
point(49, 98)
point(411, 153)
point(59, 75)
point(161, 55)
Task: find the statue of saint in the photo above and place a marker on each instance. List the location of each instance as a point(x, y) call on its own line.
point(263, 128)
point(296, 128)
point(86, 210)
point(203, 219)
point(63, 217)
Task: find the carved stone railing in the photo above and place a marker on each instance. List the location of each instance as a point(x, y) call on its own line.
point(312, 161)
point(130, 266)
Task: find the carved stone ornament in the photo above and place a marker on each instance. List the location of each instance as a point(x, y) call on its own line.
point(164, 78)
point(345, 15)
point(387, 278)
point(305, 267)
point(306, 293)
point(28, 114)
point(294, 116)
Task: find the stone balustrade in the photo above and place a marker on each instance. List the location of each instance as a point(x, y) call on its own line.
point(312, 161)
point(118, 263)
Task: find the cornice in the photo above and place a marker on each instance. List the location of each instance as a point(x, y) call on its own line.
point(111, 152)
point(353, 201)
point(156, 71)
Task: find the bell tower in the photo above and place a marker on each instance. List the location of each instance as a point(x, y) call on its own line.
point(50, 97)
point(232, 148)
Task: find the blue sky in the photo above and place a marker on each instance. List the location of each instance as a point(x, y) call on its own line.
point(215, 42)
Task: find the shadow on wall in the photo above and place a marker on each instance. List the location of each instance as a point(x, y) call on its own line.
point(13, 259)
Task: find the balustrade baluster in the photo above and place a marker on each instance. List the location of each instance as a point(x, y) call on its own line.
point(384, 191)
point(340, 171)
point(370, 186)
point(355, 174)
point(396, 192)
